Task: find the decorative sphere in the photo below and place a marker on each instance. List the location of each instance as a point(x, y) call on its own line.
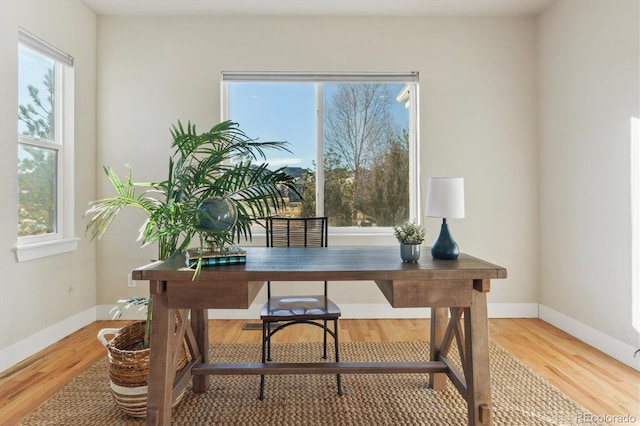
point(216, 215)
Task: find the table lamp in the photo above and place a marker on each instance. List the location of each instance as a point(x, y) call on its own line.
point(445, 199)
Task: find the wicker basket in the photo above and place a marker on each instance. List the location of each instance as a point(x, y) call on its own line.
point(129, 369)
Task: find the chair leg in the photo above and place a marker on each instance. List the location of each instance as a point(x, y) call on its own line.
point(264, 356)
point(324, 353)
point(335, 341)
point(268, 341)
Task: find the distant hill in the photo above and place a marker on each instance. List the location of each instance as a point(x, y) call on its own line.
point(296, 172)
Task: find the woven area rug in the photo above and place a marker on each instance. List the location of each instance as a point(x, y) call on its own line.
point(520, 397)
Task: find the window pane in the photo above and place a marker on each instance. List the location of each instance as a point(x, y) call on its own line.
point(281, 112)
point(363, 140)
point(366, 154)
point(35, 94)
point(36, 190)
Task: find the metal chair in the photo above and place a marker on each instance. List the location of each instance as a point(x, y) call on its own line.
point(282, 311)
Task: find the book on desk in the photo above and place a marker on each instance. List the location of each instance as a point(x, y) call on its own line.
point(230, 256)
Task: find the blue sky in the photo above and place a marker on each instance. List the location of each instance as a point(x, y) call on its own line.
point(32, 69)
point(286, 112)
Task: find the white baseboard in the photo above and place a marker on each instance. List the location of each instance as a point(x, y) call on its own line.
point(599, 340)
point(512, 310)
point(20, 351)
point(109, 312)
point(384, 310)
point(351, 311)
point(355, 311)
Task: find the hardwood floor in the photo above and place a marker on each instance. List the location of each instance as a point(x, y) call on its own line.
point(601, 384)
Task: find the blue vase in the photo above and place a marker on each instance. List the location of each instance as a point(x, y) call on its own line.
point(409, 252)
point(445, 247)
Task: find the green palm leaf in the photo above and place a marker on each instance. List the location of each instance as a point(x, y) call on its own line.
point(216, 163)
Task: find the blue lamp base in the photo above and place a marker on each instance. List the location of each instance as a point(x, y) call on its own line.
point(444, 247)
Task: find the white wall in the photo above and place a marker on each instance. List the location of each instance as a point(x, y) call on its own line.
point(38, 293)
point(477, 115)
point(589, 66)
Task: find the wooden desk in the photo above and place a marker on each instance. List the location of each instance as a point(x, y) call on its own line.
point(455, 290)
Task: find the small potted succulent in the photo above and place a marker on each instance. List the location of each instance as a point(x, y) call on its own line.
point(410, 235)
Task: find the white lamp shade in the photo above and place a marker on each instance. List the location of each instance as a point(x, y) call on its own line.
point(445, 197)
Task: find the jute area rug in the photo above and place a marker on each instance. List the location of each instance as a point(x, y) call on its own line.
point(520, 397)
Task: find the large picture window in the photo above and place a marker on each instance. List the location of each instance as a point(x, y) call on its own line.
point(352, 139)
point(45, 142)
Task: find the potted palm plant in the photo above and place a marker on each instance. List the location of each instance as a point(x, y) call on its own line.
point(216, 164)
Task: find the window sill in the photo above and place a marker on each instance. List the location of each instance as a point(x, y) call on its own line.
point(44, 249)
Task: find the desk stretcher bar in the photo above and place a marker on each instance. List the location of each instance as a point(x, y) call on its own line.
point(275, 368)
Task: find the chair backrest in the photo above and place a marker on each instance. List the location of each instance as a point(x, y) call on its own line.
point(297, 232)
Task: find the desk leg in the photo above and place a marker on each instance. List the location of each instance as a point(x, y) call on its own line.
point(200, 324)
point(439, 321)
point(161, 371)
point(477, 372)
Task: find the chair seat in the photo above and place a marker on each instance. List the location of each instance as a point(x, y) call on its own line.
point(283, 308)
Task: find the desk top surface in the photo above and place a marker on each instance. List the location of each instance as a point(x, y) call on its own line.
point(326, 263)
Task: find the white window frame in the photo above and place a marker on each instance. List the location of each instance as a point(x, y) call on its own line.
point(411, 93)
point(63, 239)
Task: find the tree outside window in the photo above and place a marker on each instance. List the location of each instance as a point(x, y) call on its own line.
point(361, 141)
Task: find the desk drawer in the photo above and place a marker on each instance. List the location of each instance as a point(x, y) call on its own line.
point(416, 294)
point(212, 295)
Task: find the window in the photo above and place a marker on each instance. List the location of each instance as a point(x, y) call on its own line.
point(45, 148)
point(352, 139)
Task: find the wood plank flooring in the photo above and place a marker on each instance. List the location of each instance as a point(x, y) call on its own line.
point(601, 384)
